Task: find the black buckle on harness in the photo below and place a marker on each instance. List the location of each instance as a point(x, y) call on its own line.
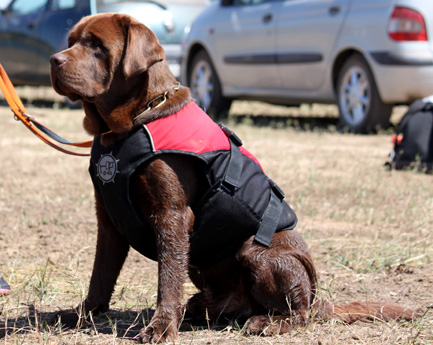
point(277, 190)
point(228, 187)
point(231, 135)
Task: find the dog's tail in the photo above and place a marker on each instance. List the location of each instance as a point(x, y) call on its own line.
point(363, 311)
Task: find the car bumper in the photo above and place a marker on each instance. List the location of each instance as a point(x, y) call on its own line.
point(402, 78)
point(173, 56)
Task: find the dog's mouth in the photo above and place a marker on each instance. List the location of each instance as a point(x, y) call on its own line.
point(66, 85)
point(55, 83)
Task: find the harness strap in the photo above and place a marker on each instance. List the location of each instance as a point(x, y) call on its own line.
point(270, 219)
point(234, 169)
point(230, 183)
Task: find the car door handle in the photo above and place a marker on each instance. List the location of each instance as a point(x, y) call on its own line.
point(334, 9)
point(267, 18)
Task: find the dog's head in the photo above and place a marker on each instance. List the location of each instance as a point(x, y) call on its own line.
point(106, 58)
point(97, 46)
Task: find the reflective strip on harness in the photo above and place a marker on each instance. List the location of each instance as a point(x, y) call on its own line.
point(270, 219)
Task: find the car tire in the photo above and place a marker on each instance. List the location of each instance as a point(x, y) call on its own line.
point(206, 88)
point(360, 106)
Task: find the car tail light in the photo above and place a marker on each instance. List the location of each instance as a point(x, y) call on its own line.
point(406, 24)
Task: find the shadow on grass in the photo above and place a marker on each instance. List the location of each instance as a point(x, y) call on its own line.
point(307, 123)
point(125, 324)
point(304, 123)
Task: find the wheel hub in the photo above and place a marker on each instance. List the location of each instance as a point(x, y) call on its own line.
point(202, 84)
point(354, 96)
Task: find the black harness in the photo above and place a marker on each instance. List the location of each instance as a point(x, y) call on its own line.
point(241, 200)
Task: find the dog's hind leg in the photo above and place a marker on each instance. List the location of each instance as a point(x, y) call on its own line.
point(222, 292)
point(281, 279)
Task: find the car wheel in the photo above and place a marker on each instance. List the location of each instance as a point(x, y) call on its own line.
point(206, 88)
point(359, 103)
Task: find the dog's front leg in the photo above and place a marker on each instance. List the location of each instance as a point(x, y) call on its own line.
point(162, 200)
point(172, 263)
point(111, 252)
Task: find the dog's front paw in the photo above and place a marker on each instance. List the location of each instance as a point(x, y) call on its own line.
point(159, 331)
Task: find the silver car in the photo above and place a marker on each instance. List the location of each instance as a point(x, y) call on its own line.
point(364, 55)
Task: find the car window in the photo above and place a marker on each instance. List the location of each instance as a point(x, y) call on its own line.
point(63, 4)
point(108, 2)
point(4, 4)
point(249, 2)
point(28, 6)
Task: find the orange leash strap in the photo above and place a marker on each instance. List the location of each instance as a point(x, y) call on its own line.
point(36, 127)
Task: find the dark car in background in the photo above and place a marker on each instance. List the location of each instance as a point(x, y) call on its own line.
point(32, 30)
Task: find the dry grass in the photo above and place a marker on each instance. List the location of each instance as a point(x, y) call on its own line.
point(370, 232)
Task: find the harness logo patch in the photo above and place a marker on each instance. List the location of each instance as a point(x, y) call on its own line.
point(106, 168)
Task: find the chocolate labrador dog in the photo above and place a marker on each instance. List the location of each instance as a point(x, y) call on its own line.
point(183, 191)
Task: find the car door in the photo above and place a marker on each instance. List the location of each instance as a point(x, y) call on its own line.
point(22, 52)
point(306, 33)
point(54, 27)
point(246, 44)
point(31, 31)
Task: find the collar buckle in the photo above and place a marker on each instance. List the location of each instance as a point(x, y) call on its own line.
point(164, 99)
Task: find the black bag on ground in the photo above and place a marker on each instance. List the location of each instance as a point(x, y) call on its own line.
point(413, 140)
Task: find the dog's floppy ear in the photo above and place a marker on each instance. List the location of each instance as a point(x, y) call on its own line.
point(142, 48)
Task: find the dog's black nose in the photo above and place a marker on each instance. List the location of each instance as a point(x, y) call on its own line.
point(57, 59)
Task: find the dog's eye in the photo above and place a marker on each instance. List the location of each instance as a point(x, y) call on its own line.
point(70, 43)
point(93, 44)
point(96, 45)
